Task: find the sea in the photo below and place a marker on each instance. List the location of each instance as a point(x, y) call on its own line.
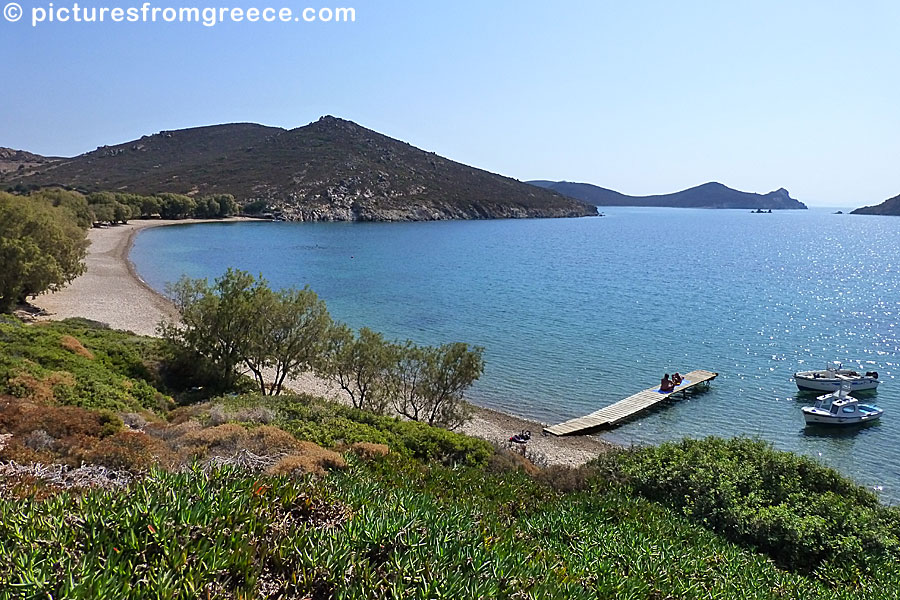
point(575, 314)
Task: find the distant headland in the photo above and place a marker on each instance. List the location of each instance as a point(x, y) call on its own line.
point(890, 207)
point(708, 195)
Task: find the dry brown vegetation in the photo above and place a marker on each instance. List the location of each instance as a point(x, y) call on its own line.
point(308, 458)
point(74, 346)
point(505, 460)
point(36, 432)
point(42, 390)
point(46, 433)
point(369, 450)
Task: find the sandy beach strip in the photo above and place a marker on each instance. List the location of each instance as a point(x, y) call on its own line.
point(111, 292)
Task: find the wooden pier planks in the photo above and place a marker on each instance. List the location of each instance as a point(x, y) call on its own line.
point(613, 414)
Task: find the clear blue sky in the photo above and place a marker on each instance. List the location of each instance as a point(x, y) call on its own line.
point(642, 97)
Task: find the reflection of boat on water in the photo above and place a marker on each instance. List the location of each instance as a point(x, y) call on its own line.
point(840, 408)
point(833, 377)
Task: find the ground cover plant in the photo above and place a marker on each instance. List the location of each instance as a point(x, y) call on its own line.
point(393, 528)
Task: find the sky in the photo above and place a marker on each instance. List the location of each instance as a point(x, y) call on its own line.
point(643, 97)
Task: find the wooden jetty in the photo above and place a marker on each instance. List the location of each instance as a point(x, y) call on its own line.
point(614, 414)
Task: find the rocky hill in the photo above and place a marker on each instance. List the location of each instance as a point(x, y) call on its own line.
point(21, 162)
point(890, 207)
point(708, 195)
point(328, 170)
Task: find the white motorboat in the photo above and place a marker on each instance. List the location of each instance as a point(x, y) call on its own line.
point(840, 408)
point(832, 377)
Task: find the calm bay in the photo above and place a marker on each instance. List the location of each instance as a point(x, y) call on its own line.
point(575, 314)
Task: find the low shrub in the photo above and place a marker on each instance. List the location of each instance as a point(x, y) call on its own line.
point(221, 440)
point(72, 344)
point(806, 516)
point(130, 451)
point(368, 450)
point(220, 414)
point(266, 439)
point(308, 458)
point(75, 362)
point(568, 479)
point(63, 434)
point(503, 460)
point(329, 424)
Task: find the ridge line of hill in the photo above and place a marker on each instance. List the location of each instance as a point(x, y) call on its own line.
point(329, 170)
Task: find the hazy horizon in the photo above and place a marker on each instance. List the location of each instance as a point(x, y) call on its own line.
point(644, 98)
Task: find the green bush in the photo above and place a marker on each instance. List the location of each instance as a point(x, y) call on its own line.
point(804, 515)
point(329, 424)
point(79, 363)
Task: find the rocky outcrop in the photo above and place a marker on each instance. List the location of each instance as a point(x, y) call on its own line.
point(20, 161)
point(890, 207)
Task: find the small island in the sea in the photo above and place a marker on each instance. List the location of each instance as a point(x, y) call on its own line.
point(329, 170)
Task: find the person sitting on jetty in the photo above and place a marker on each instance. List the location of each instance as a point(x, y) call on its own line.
point(666, 384)
point(677, 379)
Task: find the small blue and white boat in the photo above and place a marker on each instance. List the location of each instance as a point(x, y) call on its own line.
point(840, 408)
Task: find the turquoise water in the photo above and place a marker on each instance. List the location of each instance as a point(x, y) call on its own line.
point(577, 313)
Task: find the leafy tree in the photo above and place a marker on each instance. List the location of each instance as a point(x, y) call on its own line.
point(452, 369)
point(227, 205)
point(103, 212)
point(101, 198)
point(216, 320)
point(71, 201)
point(240, 321)
point(150, 205)
point(358, 365)
point(42, 248)
point(176, 206)
point(287, 336)
point(256, 207)
point(427, 383)
point(121, 212)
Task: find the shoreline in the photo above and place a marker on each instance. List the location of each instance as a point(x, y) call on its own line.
point(112, 292)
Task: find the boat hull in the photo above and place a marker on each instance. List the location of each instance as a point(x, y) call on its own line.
point(816, 418)
point(830, 384)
